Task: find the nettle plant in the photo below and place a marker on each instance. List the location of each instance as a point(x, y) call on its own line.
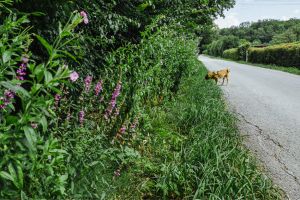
point(32, 162)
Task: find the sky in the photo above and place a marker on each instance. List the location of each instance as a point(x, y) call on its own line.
point(253, 10)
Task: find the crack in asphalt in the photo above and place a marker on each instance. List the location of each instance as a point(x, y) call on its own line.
point(286, 169)
point(283, 166)
point(267, 137)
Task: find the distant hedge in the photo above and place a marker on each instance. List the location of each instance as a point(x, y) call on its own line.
point(231, 54)
point(287, 54)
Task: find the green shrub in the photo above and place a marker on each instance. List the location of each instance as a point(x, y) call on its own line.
point(32, 160)
point(217, 47)
point(231, 54)
point(283, 55)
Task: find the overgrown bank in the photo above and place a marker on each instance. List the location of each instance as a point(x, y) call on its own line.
point(189, 148)
point(70, 131)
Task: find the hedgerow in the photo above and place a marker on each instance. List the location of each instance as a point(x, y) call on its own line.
point(231, 54)
point(287, 54)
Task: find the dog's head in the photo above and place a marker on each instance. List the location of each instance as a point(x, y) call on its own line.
point(210, 75)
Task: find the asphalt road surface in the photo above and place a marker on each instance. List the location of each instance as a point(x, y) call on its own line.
point(267, 104)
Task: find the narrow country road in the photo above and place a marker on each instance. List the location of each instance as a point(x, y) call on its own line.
point(267, 103)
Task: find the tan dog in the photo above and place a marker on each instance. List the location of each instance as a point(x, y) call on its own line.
point(224, 73)
point(212, 75)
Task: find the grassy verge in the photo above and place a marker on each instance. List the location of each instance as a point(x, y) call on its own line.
point(190, 149)
point(291, 70)
point(195, 142)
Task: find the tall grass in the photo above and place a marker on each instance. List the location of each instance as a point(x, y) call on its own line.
point(194, 141)
point(190, 149)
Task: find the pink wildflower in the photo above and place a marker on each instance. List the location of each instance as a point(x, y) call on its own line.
point(85, 18)
point(24, 60)
point(81, 117)
point(57, 98)
point(122, 129)
point(34, 125)
point(21, 72)
point(117, 172)
point(68, 116)
point(98, 88)
point(134, 124)
point(8, 96)
point(74, 76)
point(87, 83)
point(113, 100)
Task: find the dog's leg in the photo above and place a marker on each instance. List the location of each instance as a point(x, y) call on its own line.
point(223, 80)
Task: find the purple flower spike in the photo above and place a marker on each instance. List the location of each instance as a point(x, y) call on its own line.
point(122, 129)
point(81, 117)
point(98, 87)
point(21, 72)
point(8, 96)
point(57, 98)
point(87, 83)
point(113, 100)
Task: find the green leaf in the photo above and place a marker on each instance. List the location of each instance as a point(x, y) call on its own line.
point(48, 76)
point(38, 72)
point(14, 176)
point(69, 55)
point(44, 123)
point(6, 56)
point(6, 175)
point(23, 196)
point(45, 44)
point(35, 88)
point(31, 138)
point(93, 163)
point(20, 176)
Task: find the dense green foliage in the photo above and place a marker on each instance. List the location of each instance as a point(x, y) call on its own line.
point(232, 54)
point(65, 137)
point(217, 47)
point(266, 31)
point(115, 23)
point(282, 55)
